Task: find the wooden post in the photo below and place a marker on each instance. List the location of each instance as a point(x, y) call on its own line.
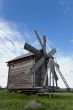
point(56, 83)
point(50, 76)
point(44, 67)
point(33, 74)
point(53, 74)
point(44, 42)
point(41, 42)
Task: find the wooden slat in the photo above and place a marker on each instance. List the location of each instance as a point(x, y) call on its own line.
point(38, 64)
point(20, 75)
point(40, 42)
point(32, 49)
point(44, 42)
point(53, 71)
point(52, 52)
point(42, 61)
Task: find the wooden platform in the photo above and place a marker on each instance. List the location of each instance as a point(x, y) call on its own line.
point(41, 90)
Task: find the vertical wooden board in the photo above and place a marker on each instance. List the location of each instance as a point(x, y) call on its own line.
point(44, 66)
point(44, 42)
point(40, 74)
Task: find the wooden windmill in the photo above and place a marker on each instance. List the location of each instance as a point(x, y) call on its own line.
point(46, 62)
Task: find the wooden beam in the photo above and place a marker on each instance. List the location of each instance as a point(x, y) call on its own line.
point(32, 50)
point(46, 75)
point(53, 71)
point(44, 66)
point(42, 61)
point(38, 37)
point(44, 42)
point(40, 43)
point(61, 75)
point(38, 64)
point(52, 52)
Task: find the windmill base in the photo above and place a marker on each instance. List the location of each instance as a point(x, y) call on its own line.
point(40, 90)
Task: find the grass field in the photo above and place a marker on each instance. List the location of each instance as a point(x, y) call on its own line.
point(17, 101)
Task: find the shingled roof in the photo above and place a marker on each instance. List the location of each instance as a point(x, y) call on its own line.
point(22, 56)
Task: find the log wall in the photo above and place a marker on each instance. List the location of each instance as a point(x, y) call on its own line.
point(20, 75)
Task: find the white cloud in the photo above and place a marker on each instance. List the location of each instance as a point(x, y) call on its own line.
point(66, 67)
point(11, 45)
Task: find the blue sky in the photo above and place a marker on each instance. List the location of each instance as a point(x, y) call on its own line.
point(19, 19)
point(52, 17)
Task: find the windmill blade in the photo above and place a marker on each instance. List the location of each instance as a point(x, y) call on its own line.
point(38, 37)
point(32, 49)
point(44, 51)
point(52, 52)
point(42, 61)
point(44, 42)
point(38, 64)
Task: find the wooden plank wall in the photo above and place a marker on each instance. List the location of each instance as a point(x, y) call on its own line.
point(40, 74)
point(20, 75)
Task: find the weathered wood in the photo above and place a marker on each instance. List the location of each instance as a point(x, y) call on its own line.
point(20, 75)
point(32, 49)
point(42, 61)
point(46, 75)
point(61, 75)
point(29, 71)
point(52, 52)
point(44, 66)
point(53, 71)
point(40, 43)
point(38, 64)
point(44, 42)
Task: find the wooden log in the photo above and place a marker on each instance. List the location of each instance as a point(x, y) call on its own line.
point(20, 75)
point(32, 49)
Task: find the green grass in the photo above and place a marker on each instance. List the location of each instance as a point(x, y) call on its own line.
point(17, 101)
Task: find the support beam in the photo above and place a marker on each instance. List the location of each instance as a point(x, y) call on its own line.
point(55, 77)
point(42, 61)
point(32, 50)
point(50, 77)
point(45, 54)
point(44, 66)
point(38, 64)
point(53, 71)
point(46, 75)
point(44, 42)
point(56, 83)
point(61, 75)
point(52, 52)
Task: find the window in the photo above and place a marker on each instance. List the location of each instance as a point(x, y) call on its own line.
point(13, 65)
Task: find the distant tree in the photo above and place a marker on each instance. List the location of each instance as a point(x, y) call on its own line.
point(0, 87)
